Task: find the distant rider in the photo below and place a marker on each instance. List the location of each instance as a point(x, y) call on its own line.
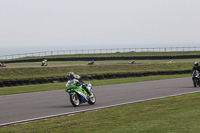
point(196, 66)
point(72, 76)
point(44, 62)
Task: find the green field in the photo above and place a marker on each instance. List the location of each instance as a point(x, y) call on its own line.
point(54, 71)
point(109, 62)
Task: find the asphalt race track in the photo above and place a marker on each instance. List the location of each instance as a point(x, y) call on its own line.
point(33, 106)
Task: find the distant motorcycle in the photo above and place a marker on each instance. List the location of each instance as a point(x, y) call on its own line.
point(91, 63)
point(79, 95)
point(195, 78)
point(2, 64)
point(132, 62)
point(44, 63)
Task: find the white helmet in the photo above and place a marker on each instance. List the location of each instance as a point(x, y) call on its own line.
point(196, 63)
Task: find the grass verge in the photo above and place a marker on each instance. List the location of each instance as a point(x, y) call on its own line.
point(42, 72)
point(61, 85)
point(179, 114)
point(108, 62)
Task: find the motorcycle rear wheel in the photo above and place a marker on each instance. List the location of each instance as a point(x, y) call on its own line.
point(75, 100)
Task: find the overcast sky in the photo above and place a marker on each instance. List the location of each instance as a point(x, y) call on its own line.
point(41, 25)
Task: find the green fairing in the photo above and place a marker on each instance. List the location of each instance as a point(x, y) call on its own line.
point(76, 88)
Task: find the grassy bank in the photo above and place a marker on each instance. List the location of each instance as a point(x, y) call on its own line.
point(58, 86)
point(42, 72)
point(109, 62)
point(178, 114)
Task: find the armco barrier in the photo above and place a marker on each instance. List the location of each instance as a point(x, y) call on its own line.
point(89, 77)
point(98, 51)
point(1, 84)
point(108, 58)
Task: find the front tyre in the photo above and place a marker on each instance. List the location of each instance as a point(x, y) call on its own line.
point(92, 99)
point(75, 100)
point(195, 82)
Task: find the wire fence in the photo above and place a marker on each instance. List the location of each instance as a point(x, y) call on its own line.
point(98, 51)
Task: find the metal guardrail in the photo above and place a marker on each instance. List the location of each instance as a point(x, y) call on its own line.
point(98, 51)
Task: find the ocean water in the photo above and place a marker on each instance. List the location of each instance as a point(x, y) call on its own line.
point(23, 51)
point(5, 50)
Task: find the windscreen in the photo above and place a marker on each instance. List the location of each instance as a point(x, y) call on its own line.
point(71, 82)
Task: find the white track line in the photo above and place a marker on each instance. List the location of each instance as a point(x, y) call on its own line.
point(56, 115)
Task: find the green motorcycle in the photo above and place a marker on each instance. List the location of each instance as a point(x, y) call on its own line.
point(79, 95)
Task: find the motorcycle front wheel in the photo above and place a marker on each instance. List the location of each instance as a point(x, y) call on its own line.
point(75, 100)
point(195, 82)
point(92, 99)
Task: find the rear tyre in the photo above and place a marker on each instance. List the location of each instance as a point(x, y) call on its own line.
point(75, 100)
point(198, 82)
point(92, 99)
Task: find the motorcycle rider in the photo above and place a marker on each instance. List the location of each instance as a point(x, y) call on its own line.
point(44, 62)
point(2, 64)
point(196, 66)
point(71, 76)
point(91, 62)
